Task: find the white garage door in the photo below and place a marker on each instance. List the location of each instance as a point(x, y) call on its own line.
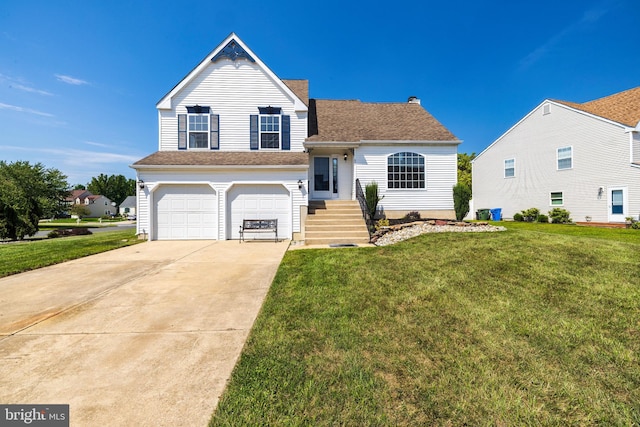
point(260, 202)
point(185, 212)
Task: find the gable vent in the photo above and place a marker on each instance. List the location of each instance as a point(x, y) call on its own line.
point(546, 109)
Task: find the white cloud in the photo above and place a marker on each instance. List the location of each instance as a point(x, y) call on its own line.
point(97, 144)
point(590, 16)
point(32, 90)
point(22, 85)
point(71, 80)
point(24, 110)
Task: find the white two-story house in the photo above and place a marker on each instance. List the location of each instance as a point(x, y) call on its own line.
point(237, 142)
point(584, 158)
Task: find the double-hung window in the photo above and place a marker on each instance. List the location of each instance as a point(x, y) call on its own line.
point(405, 170)
point(509, 168)
point(270, 129)
point(198, 129)
point(565, 158)
point(557, 198)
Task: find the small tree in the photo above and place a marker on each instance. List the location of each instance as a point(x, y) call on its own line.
point(80, 210)
point(372, 197)
point(461, 197)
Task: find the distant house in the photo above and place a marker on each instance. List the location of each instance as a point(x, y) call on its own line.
point(237, 142)
point(584, 158)
point(128, 206)
point(98, 205)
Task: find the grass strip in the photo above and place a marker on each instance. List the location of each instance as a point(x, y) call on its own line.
point(23, 256)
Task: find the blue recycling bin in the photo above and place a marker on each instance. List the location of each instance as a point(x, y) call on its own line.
point(496, 214)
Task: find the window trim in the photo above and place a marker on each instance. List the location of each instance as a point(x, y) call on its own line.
point(266, 132)
point(513, 167)
point(561, 198)
point(206, 132)
point(212, 131)
point(396, 184)
point(558, 158)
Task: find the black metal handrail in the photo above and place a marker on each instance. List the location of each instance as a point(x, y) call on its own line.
point(363, 207)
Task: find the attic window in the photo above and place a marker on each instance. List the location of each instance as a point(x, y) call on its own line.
point(546, 109)
point(233, 51)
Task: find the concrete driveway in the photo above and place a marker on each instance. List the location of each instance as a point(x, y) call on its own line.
point(144, 335)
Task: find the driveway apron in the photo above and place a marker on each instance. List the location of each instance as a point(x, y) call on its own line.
point(143, 335)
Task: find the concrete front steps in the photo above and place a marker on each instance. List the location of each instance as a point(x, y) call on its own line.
point(335, 222)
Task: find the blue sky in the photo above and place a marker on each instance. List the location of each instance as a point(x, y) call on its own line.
point(79, 80)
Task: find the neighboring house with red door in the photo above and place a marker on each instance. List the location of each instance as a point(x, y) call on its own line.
point(237, 142)
point(582, 157)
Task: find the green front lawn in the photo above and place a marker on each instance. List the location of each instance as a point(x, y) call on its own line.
point(532, 326)
point(24, 256)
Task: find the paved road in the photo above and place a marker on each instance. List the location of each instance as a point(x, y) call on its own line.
point(143, 335)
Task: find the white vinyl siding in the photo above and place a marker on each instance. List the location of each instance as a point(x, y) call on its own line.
point(600, 158)
point(234, 91)
point(440, 171)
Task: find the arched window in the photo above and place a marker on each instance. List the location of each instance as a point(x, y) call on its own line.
point(405, 170)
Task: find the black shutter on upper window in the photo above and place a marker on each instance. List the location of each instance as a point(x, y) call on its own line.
point(253, 129)
point(182, 131)
point(214, 128)
point(286, 132)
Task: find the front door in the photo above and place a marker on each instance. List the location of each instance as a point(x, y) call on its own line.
point(617, 204)
point(325, 177)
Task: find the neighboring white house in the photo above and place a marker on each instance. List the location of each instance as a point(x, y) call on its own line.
point(128, 206)
point(584, 158)
point(237, 142)
point(98, 205)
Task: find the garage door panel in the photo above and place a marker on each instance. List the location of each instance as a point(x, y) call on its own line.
point(185, 212)
point(259, 202)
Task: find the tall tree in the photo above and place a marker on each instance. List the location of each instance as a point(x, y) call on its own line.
point(27, 193)
point(115, 187)
point(464, 168)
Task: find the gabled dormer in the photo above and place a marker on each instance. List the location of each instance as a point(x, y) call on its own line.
point(232, 101)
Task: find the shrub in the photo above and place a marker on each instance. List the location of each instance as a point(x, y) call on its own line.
point(461, 197)
point(53, 234)
point(531, 214)
point(543, 218)
point(518, 217)
point(372, 198)
point(559, 216)
point(412, 216)
point(382, 223)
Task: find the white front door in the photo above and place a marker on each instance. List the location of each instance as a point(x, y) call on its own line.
point(324, 184)
point(618, 204)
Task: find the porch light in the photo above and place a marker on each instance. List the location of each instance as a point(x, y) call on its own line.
point(346, 156)
point(299, 184)
point(141, 184)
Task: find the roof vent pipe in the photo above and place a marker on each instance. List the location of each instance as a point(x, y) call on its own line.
point(413, 100)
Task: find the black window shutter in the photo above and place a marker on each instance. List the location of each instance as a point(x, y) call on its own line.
point(182, 131)
point(214, 129)
point(286, 132)
point(253, 128)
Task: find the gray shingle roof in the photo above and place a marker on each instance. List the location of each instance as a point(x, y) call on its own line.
point(224, 158)
point(353, 120)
